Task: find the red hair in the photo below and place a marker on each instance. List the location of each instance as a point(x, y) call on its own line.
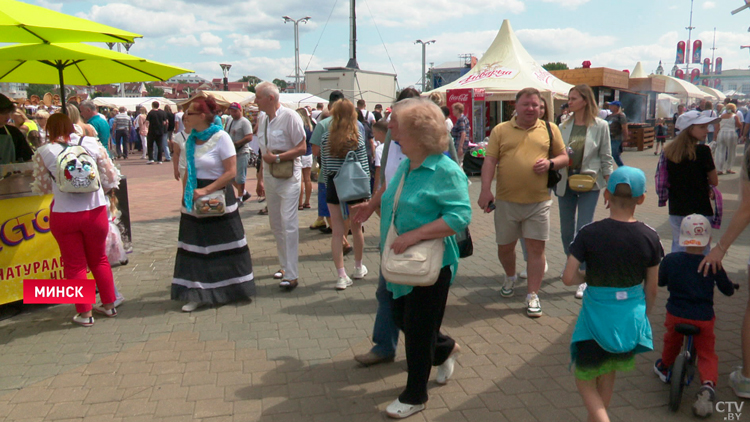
point(207, 106)
point(59, 126)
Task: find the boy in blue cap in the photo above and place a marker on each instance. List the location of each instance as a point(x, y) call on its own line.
point(620, 254)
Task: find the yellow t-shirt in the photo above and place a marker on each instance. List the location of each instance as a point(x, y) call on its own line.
point(517, 150)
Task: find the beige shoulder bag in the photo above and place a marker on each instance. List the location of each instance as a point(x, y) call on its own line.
point(419, 265)
point(283, 169)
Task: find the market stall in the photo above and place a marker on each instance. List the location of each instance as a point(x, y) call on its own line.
point(132, 104)
point(685, 91)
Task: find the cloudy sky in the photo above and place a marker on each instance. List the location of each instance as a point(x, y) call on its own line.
point(251, 35)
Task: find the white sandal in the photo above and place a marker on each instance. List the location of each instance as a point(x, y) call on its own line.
point(398, 410)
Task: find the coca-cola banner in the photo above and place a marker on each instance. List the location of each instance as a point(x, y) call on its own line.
point(465, 97)
point(706, 66)
point(479, 94)
point(694, 74)
point(697, 47)
point(680, 53)
point(679, 74)
point(717, 66)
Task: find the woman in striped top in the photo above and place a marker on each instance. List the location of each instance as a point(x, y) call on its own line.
point(343, 136)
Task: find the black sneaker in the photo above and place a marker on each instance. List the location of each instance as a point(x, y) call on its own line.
point(246, 196)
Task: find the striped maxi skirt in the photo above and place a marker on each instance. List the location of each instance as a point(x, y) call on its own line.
point(213, 263)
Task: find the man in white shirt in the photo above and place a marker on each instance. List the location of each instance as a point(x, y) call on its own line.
point(362, 108)
point(282, 138)
point(317, 112)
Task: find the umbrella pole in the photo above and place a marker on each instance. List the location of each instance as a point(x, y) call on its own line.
point(62, 87)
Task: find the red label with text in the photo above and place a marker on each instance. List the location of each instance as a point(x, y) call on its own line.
point(59, 291)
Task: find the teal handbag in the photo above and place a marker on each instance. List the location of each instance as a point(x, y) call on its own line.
point(352, 182)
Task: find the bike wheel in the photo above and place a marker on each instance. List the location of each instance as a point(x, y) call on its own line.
point(679, 371)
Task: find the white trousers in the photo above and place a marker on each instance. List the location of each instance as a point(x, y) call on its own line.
point(725, 151)
point(282, 196)
point(144, 144)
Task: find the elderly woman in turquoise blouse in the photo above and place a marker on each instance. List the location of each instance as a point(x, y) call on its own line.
point(434, 204)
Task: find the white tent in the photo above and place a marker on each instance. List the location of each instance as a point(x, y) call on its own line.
point(734, 93)
point(666, 105)
point(507, 68)
point(683, 90)
point(638, 72)
point(132, 103)
point(295, 101)
point(718, 95)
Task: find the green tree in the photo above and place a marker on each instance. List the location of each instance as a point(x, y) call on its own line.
point(41, 89)
point(154, 92)
point(100, 94)
point(251, 88)
point(280, 83)
point(555, 66)
point(253, 80)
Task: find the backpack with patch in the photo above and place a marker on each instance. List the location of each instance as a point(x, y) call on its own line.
point(77, 171)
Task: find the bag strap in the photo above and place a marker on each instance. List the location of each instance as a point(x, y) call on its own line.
point(549, 132)
point(396, 198)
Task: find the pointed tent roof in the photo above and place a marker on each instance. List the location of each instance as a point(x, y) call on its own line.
point(638, 72)
point(507, 68)
point(715, 92)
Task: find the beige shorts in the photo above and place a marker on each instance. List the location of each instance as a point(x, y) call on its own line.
point(514, 221)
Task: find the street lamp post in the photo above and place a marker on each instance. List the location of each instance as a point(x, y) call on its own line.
point(424, 45)
point(296, 47)
point(225, 68)
point(127, 46)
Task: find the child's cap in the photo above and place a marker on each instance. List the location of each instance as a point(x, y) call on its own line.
point(695, 230)
point(631, 176)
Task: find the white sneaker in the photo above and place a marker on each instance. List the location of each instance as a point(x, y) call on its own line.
point(150, 162)
point(360, 272)
point(581, 289)
point(191, 306)
point(533, 307)
point(445, 370)
point(343, 282)
point(525, 274)
point(118, 300)
point(507, 289)
point(398, 410)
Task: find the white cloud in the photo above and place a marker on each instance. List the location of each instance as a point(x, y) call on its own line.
point(212, 51)
point(209, 39)
point(50, 5)
point(709, 5)
point(397, 13)
point(568, 4)
point(562, 40)
point(244, 44)
point(152, 23)
point(184, 41)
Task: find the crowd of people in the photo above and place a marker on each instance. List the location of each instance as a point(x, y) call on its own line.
point(411, 153)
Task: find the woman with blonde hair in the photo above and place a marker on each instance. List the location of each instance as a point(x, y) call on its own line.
point(587, 140)
point(343, 136)
point(686, 173)
point(433, 204)
point(82, 128)
point(726, 140)
point(307, 162)
point(41, 117)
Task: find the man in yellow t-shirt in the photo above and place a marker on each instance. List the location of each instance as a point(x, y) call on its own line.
point(520, 149)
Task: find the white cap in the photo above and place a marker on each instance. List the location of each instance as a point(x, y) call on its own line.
point(694, 117)
point(695, 230)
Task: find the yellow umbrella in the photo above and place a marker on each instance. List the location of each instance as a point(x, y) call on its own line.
point(26, 23)
point(77, 64)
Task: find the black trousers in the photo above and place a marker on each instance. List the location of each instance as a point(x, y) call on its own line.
point(419, 315)
point(150, 141)
point(121, 142)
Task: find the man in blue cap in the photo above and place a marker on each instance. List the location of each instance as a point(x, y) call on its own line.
point(618, 130)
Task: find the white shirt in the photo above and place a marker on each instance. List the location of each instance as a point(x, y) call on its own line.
point(378, 154)
point(449, 124)
point(369, 117)
point(603, 113)
point(316, 114)
point(178, 122)
point(285, 132)
point(709, 113)
point(73, 202)
point(395, 157)
point(209, 164)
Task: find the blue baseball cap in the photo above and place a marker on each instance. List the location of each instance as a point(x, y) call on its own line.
point(631, 176)
point(616, 103)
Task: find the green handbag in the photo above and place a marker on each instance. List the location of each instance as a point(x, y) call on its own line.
point(352, 182)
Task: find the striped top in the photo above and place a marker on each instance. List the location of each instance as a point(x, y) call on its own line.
point(331, 165)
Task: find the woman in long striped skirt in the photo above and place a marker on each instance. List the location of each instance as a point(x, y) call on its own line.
point(213, 264)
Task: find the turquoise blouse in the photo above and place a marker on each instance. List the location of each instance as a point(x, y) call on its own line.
point(436, 189)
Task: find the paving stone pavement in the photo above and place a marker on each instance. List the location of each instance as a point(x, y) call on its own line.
point(289, 356)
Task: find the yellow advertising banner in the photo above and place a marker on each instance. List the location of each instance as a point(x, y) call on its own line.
point(27, 248)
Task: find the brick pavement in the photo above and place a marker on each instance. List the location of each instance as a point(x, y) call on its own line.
point(288, 356)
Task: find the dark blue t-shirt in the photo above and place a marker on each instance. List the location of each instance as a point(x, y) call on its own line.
point(691, 294)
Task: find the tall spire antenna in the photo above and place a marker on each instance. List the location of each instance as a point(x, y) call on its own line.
point(688, 57)
point(352, 63)
point(713, 53)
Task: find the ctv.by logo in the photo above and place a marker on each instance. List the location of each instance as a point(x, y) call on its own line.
point(732, 410)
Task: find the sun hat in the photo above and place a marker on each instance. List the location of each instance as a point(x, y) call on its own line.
point(695, 230)
point(694, 117)
point(631, 176)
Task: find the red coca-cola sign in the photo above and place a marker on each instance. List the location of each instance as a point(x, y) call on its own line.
point(464, 96)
